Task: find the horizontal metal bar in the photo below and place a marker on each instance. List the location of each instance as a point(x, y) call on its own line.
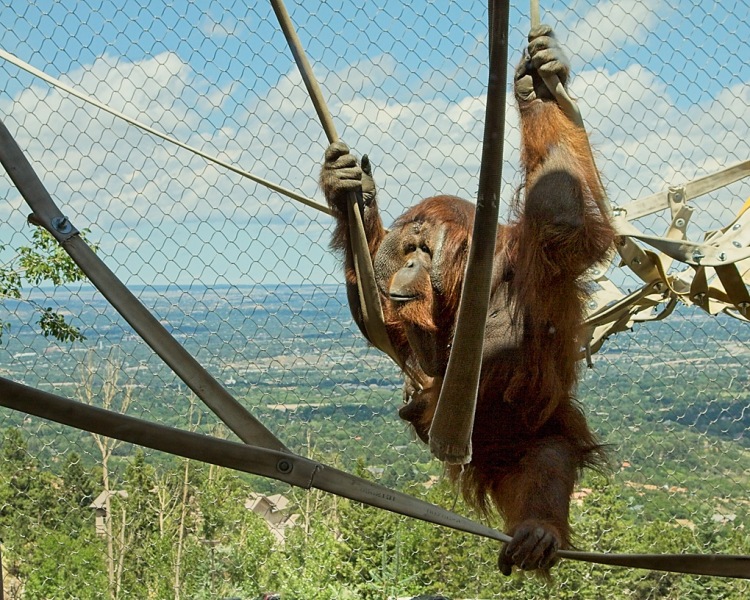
point(233, 455)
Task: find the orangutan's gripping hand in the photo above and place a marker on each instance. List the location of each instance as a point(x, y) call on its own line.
point(342, 175)
point(534, 546)
point(544, 56)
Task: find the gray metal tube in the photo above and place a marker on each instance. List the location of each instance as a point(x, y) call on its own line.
point(47, 214)
point(368, 290)
point(452, 425)
point(307, 474)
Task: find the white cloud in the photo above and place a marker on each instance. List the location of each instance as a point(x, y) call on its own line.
point(131, 184)
point(605, 26)
point(137, 191)
point(646, 142)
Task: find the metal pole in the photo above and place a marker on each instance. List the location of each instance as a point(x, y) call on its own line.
point(567, 105)
point(48, 215)
point(450, 433)
point(305, 473)
point(369, 295)
point(282, 466)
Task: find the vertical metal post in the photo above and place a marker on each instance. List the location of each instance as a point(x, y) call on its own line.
point(450, 433)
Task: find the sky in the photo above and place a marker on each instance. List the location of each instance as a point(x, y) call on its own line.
point(664, 88)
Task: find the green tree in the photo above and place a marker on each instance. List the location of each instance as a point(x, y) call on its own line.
point(66, 567)
point(377, 563)
point(78, 489)
point(43, 261)
point(138, 535)
point(32, 505)
point(28, 495)
point(227, 545)
point(313, 563)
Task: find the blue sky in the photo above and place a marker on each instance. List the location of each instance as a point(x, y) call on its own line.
point(664, 88)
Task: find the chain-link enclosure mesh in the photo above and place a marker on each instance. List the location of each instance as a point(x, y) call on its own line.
point(243, 277)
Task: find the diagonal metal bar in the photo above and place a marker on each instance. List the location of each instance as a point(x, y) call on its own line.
point(689, 190)
point(155, 132)
point(307, 474)
point(48, 215)
point(282, 466)
point(369, 295)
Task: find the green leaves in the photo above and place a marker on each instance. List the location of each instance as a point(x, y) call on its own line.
point(336, 550)
point(44, 261)
point(54, 324)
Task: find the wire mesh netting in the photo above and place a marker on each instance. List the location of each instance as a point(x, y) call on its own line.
point(243, 277)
